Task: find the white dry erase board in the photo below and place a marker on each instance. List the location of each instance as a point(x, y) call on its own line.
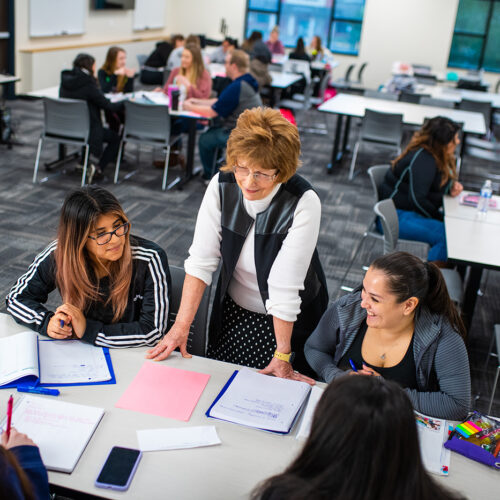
point(149, 14)
point(57, 17)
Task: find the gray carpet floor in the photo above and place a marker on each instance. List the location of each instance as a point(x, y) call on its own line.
point(29, 215)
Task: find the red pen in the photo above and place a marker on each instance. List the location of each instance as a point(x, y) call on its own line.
point(9, 415)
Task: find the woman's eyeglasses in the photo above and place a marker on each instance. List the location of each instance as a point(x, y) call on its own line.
point(103, 238)
point(243, 172)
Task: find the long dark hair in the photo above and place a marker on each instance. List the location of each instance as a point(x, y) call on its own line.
point(299, 48)
point(408, 276)
point(84, 61)
point(363, 446)
point(8, 489)
point(76, 271)
point(434, 136)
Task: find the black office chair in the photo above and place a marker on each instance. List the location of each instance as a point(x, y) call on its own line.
point(197, 340)
point(344, 83)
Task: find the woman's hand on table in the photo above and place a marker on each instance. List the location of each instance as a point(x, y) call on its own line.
point(15, 439)
point(456, 189)
point(177, 336)
point(75, 317)
point(54, 328)
point(283, 369)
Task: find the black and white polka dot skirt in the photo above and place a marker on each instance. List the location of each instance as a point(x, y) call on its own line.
point(247, 338)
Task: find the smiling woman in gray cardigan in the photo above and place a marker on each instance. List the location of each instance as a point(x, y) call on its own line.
point(403, 326)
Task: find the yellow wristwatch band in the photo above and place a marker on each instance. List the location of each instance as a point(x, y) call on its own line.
point(282, 356)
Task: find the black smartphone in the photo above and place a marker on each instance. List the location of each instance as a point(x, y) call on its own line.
point(119, 468)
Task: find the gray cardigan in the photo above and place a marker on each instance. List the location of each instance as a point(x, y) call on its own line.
point(441, 360)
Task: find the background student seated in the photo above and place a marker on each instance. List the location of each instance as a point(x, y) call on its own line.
point(174, 59)
point(400, 325)
point(114, 76)
point(80, 83)
point(241, 94)
point(115, 287)
point(158, 59)
point(363, 445)
point(22, 473)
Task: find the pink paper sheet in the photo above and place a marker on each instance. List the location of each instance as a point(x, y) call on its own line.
point(164, 391)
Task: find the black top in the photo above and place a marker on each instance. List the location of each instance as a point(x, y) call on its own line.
point(158, 58)
point(404, 373)
point(419, 192)
point(109, 82)
point(300, 56)
point(78, 84)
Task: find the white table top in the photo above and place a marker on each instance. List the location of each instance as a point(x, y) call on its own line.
point(8, 79)
point(453, 208)
point(456, 95)
point(227, 471)
point(413, 114)
point(52, 92)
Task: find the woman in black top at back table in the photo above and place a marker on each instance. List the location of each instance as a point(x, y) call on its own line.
point(300, 51)
point(419, 178)
point(80, 83)
point(363, 445)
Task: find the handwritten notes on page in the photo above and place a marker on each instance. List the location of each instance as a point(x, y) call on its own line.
point(260, 401)
point(61, 430)
point(71, 362)
point(164, 391)
point(178, 438)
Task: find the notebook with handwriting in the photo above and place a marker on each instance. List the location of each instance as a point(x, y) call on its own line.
point(26, 358)
point(61, 430)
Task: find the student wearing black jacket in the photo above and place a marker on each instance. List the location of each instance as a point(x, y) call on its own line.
point(80, 83)
point(419, 178)
point(115, 287)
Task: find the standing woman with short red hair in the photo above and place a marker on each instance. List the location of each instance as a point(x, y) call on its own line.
point(115, 287)
point(260, 220)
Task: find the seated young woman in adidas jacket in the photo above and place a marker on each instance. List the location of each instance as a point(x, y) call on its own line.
point(114, 286)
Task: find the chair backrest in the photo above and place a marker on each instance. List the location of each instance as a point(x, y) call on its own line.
point(410, 97)
point(166, 74)
point(361, 71)
point(141, 59)
point(386, 211)
point(377, 175)
point(348, 72)
point(497, 86)
point(298, 66)
point(67, 118)
point(440, 103)
point(197, 340)
point(483, 107)
point(375, 94)
point(382, 127)
point(149, 123)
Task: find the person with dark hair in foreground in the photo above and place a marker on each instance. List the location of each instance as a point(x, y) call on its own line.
point(363, 446)
point(403, 326)
point(115, 287)
point(22, 473)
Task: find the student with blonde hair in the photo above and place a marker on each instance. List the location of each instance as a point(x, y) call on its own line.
point(114, 286)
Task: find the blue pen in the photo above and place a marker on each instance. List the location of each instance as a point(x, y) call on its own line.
point(353, 365)
point(38, 390)
point(61, 322)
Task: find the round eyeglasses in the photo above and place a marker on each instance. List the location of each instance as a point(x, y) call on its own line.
point(243, 173)
point(103, 238)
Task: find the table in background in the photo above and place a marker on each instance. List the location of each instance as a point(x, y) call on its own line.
point(227, 471)
point(472, 241)
point(349, 105)
point(456, 95)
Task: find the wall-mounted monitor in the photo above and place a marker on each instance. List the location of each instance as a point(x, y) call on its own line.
point(114, 4)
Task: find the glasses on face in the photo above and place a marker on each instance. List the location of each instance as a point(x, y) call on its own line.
point(103, 238)
point(243, 172)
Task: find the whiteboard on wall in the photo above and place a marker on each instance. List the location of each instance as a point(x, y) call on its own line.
point(149, 14)
point(57, 17)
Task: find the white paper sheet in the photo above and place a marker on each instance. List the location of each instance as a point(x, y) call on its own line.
point(261, 401)
point(18, 356)
point(305, 425)
point(432, 433)
point(177, 438)
point(71, 362)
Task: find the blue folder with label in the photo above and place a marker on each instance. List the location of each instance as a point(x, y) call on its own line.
point(260, 401)
point(27, 360)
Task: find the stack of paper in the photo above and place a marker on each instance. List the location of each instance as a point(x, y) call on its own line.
point(260, 401)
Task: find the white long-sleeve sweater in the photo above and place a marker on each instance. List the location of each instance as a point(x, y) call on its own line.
point(287, 275)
